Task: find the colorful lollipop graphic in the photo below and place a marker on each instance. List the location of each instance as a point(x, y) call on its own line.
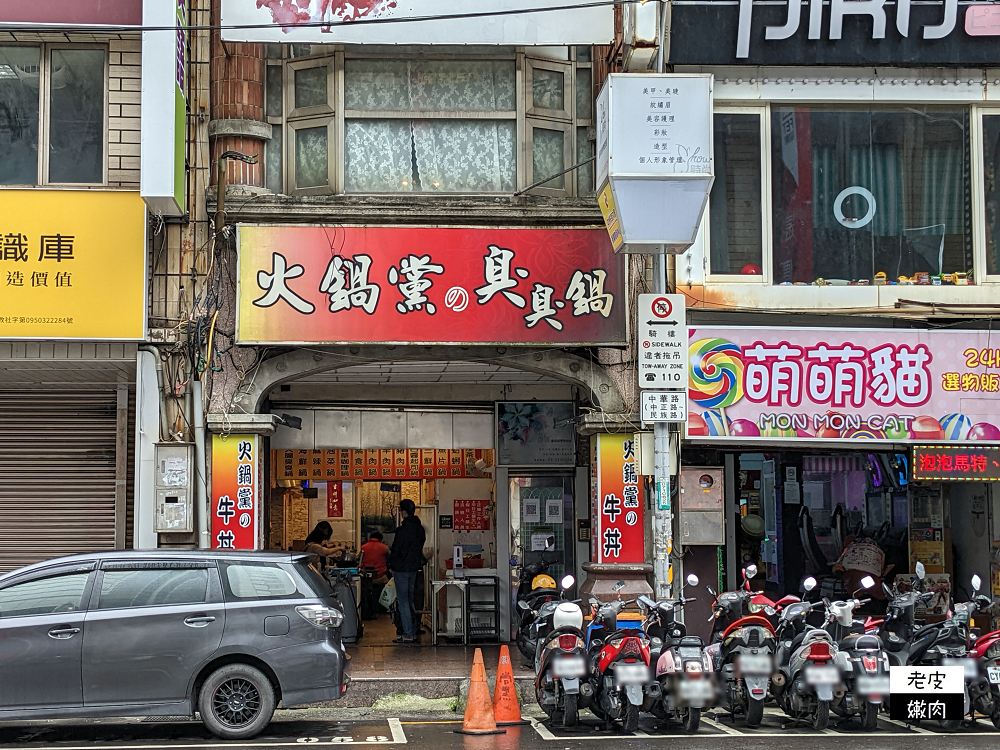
point(716, 375)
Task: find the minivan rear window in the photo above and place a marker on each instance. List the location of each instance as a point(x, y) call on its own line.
point(258, 580)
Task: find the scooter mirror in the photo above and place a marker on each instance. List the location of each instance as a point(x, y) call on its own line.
point(919, 570)
point(867, 582)
point(692, 579)
point(513, 562)
point(618, 586)
point(523, 605)
point(567, 582)
point(976, 583)
point(809, 583)
point(710, 590)
point(750, 571)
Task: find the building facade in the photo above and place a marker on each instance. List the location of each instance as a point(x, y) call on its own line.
point(844, 286)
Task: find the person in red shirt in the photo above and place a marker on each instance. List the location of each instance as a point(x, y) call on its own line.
point(375, 554)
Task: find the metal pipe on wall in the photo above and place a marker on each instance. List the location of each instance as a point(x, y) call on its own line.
point(201, 479)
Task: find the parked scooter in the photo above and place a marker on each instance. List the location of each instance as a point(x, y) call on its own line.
point(805, 677)
point(861, 659)
point(538, 622)
point(985, 693)
point(945, 643)
point(561, 685)
point(535, 588)
point(743, 649)
point(683, 669)
point(619, 666)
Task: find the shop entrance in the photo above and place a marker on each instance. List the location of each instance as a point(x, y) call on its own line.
point(457, 512)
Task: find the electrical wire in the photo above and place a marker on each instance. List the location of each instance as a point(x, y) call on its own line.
point(327, 24)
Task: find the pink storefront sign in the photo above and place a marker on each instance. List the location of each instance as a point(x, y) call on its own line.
point(796, 384)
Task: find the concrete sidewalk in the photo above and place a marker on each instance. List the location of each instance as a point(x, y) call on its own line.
point(425, 671)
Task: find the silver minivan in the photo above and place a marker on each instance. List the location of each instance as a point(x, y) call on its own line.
point(226, 635)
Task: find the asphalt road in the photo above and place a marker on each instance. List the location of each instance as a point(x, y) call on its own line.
point(289, 731)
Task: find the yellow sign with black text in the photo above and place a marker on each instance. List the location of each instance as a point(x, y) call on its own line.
point(607, 201)
point(72, 265)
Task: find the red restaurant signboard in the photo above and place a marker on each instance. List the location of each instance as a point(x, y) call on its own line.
point(428, 285)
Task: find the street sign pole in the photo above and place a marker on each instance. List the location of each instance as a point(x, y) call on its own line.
point(662, 515)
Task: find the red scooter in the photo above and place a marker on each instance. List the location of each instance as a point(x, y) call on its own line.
point(620, 675)
point(743, 648)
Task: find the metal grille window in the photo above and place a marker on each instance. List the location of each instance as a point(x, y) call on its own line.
point(53, 120)
point(429, 120)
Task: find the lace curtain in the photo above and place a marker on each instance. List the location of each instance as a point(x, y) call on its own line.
point(454, 156)
point(430, 155)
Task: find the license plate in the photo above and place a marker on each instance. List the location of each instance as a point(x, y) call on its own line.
point(968, 666)
point(993, 675)
point(873, 685)
point(630, 674)
point(822, 675)
point(569, 668)
point(755, 664)
point(696, 690)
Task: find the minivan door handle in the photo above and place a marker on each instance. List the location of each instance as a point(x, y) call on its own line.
point(62, 633)
point(198, 621)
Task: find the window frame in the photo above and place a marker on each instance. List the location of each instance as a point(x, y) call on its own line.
point(45, 50)
point(568, 69)
point(766, 278)
point(291, 68)
point(334, 56)
point(976, 175)
point(290, 136)
point(978, 192)
point(568, 179)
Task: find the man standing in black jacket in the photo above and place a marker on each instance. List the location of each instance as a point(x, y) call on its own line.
point(406, 560)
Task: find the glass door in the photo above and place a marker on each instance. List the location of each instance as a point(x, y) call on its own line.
point(542, 519)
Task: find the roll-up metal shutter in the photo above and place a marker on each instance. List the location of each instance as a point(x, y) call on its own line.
point(57, 474)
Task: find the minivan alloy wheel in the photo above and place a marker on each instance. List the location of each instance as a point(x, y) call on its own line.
point(236, 703)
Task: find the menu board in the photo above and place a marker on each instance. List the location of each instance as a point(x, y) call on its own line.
point(472, 514)
point(398, 464)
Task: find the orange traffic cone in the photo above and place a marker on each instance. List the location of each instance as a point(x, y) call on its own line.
point(479, 717)
point(506, 709)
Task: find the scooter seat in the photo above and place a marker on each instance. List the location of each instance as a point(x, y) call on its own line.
point(861, 641)
point(687, 641)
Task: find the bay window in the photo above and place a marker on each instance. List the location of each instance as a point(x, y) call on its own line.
point(427, 120)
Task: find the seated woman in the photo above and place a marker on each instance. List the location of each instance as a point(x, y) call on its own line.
point(317, 544)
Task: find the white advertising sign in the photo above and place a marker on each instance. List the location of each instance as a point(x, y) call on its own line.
point(663, 342)
point(664, 406)
point(163, 122)
point(508, 22)
point(655, 146)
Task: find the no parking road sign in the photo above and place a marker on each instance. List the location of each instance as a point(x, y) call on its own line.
point(926, 693)
point(663, 342)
